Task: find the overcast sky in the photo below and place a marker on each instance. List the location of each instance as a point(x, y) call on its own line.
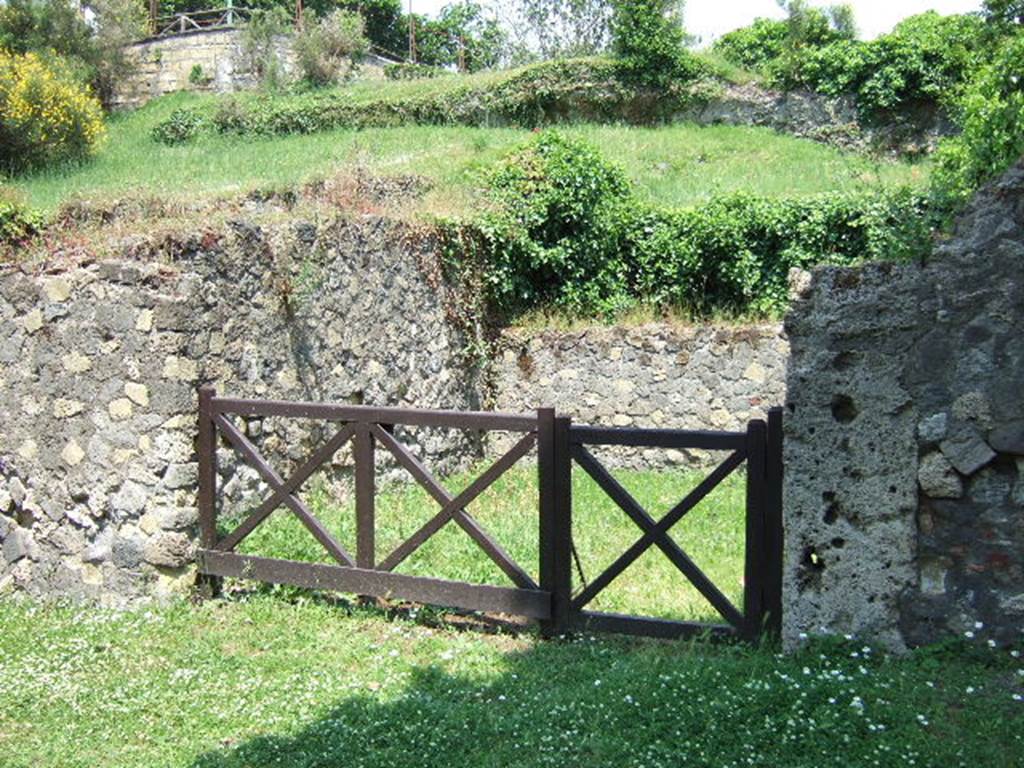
point(708, 19)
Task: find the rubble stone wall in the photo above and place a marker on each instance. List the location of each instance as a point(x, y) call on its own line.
point(99, 368)
point(905, 440)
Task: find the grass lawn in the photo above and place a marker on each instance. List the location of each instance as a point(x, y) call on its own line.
point(677, 165)
point(267, 682)
point(713, 534)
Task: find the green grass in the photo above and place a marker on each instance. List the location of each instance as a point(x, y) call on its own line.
point(263, 682)
point(712, 534)
point(675, 165)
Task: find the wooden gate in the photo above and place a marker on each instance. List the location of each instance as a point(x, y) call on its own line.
point(559, 445)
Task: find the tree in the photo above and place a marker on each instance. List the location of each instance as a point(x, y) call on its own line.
point(58, 28)
point(552, 29)
point(462, 35)
point(649, 41)
point(1004, 12)
point(330, 49)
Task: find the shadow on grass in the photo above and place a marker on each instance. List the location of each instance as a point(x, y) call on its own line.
point(557, 703)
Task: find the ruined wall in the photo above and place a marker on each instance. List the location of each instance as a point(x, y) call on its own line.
point(656, 375)
point(165, 65)
point(905, 439)
point(99, 367)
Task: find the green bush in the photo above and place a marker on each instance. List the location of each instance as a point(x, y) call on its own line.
point(409, 71)
point(925, 59)
point(329, 50)
point(648, 41)
point(551, 92)
point(17, 223)
point(46, 115)
point(991, 115)
point(95, 51)
point(569, 232)
point(181, 125)
point(755, 46)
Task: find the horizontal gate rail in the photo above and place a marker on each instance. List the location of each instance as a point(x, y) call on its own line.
point(484, 420)
point(660, 438)
point(474, 597)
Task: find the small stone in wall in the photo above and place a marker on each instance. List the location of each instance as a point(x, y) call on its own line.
point(144, 321)
point(72, 454)
point(180, 369)
point(57, 289)
point(33, 321)
point(28, 450)
point(168, 549)
point(137, 393)
point(120, 409)
point(938, 479)
point(974, 407)
point(75, 362)
point(966, 450)
point(1008, 438)
point(64, 409)
point(15, 546)
point(933, 428)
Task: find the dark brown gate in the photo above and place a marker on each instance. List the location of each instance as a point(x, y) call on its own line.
point(559, 444)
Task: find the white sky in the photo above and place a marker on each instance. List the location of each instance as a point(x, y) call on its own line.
point(708, 19)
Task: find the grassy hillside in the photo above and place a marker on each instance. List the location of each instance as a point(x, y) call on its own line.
point(677, 165)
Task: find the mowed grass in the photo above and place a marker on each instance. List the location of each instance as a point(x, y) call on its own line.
point(712, 534)
point(313, 684)
point(678, 165)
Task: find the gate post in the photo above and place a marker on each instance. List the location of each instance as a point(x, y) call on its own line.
point(206, 450)
point(366, 554)
point(554, 471)
point(754, 567)
point(773, 524)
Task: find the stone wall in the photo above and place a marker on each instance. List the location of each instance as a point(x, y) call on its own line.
point(905, 440)
point(657, 375)
point(100, 366)
point(165, 65)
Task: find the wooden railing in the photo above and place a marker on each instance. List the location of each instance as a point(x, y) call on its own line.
point(559, 444)
point(193, 21)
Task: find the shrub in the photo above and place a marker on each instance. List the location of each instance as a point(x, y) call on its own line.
point(95, 52)
point(550, 92)
point(17, 223)
point(181, 125)
point(260, 37)
point(46, 116)
point(330, 49)
point(648, 41)
point(753, 47)
point(991, 115)
point(925, 59)
point(409, 71)
point(569, 232)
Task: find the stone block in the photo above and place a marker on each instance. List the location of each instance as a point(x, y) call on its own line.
point(938, 479)
point(1008, 438)
point(169, 549)
point(966, 450)
point(15, 545)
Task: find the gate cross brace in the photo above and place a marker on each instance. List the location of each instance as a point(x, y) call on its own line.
point(657, 532)
point(452, 507)
point(283, 490)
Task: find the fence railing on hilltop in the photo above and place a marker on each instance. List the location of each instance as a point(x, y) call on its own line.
point(193, 21)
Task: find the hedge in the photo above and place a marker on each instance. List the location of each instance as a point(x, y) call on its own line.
point(570, 233)
point(550, 92)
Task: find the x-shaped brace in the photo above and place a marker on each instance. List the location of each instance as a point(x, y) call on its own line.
point(656, 533)
point(453, 507)
point(283, 492)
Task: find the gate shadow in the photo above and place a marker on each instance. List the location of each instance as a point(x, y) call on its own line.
point(551, 702)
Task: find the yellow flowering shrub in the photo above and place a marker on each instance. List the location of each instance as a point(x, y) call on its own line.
point(46, 115)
